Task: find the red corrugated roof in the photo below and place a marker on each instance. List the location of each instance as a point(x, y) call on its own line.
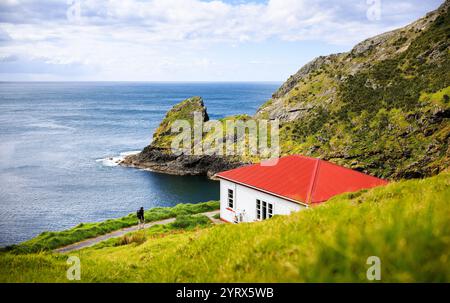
point(302, 179)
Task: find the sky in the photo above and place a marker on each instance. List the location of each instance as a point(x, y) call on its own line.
point(185, 40)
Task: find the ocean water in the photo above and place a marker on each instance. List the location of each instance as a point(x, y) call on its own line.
point(55, 137)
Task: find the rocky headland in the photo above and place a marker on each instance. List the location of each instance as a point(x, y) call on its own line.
point(382, 108)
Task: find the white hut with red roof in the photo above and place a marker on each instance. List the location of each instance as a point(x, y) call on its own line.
point(279, 187)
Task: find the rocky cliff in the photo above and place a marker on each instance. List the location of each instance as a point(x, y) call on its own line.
point(159, 157)
point(381, 108)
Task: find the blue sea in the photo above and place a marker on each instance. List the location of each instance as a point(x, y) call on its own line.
point(56, 139)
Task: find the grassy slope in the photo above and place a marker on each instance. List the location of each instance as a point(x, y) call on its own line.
point(184, 110)
point(50, 240)
point(182, 223)
point(389, 118)
point(404, 223)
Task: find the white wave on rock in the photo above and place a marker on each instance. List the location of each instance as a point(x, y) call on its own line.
point(115, 160)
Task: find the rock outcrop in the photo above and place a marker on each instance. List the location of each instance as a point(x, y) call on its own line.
point(159, 157)
point(162, 160)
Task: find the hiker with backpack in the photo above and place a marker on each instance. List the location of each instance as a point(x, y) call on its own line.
point(140, 216)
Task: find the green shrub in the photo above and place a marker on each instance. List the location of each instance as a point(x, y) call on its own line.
point(189, 221)
point(136, 237)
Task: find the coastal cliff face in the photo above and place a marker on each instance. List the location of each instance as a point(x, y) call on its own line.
point(383, 108)
point(386, 60)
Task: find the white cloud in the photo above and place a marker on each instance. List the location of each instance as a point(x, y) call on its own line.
point(147, 39)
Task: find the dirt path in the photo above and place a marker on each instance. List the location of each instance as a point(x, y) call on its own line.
point(123, 231)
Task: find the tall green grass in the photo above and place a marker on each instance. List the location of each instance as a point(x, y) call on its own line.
point(181, 223)
point(405, 224)
point(50, 240)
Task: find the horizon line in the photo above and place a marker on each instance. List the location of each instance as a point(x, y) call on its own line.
point(136, 81)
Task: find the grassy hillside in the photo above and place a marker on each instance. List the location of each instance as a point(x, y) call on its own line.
point(53, 239)
point(382, 108)
point(405, 224)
